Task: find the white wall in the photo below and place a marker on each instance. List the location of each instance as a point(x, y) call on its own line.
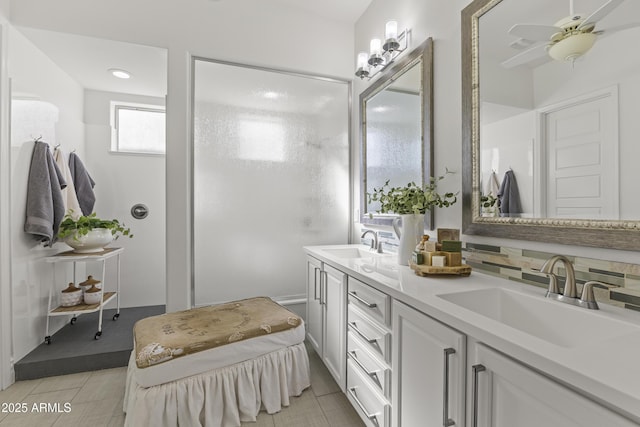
point(441, 20)
point(122, 180)
point(6, 316)
point(248, 31)
point(502, 151)
point(34, 76)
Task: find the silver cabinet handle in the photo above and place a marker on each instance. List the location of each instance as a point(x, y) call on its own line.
point(315, 283)
point(446, 421)
point(323, 287)
point(359, 332)
point(476, 369)
point(363, 301)
point(372, 374)
point(372, 417)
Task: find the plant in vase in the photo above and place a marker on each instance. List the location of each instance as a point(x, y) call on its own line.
point(410, 202)
point(89, 233)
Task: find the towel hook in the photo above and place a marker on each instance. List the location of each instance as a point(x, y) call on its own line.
point(36, 139)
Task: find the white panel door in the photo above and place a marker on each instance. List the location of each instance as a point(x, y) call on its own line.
point(334, 352)
point(314, 320)
point(511, 395)
point(428, 371)
point(582, 158)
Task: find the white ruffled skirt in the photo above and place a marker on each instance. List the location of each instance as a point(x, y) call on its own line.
point(220, 397)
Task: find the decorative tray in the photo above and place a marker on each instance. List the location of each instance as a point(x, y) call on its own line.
point(425, 270)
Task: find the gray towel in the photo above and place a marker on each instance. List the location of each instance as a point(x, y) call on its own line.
point(84, 184)
point(45, 204)
point(509, 195)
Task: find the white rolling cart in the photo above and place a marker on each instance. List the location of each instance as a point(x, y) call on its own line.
point(76, 310)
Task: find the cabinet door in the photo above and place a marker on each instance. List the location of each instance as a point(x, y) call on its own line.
point(428, 366)
point(512, 395)
point(334, 351)
point(314, 304)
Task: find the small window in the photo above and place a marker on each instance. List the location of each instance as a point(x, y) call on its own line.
point(138, 129)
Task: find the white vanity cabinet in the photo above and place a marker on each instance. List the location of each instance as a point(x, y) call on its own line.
point(503, 392)
point(326, 306)
point(406, 357)
point(428, 370)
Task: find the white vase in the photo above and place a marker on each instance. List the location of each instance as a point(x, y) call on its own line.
point(94, 241)
point(410, 231)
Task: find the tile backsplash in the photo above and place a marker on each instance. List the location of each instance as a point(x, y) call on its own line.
point(621, 281)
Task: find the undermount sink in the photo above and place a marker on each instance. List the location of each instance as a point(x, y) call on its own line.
point(554, 322)
point(352, 252)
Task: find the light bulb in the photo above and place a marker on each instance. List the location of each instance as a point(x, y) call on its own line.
point(375, 47)
point(363, 57)
point(391, 30)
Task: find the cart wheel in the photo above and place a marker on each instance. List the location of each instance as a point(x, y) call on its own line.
point(98, 334)
point(47, 339)
point(115, 316)
point(73, 320)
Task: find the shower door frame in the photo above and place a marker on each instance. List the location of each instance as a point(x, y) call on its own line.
point(192, 142)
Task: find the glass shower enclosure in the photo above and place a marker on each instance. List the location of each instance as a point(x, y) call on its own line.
point(270, 175)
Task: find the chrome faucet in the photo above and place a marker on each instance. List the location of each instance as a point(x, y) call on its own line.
point(570, 294)
point(570, 282)
point(375, 244)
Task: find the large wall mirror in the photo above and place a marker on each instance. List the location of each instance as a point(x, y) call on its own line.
point(396, 117)
point(550, 96)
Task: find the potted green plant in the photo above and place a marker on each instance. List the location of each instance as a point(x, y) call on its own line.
point(86, 234)
point(410, 202)
point(412, 198)
point(489, 205)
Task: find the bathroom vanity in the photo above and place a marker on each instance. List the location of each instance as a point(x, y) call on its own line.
point(466, 351)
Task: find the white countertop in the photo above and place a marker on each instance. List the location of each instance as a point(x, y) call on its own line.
point(607, 370)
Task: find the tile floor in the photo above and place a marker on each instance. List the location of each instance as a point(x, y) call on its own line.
point(96, 398)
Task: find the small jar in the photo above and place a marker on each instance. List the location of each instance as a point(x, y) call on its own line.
point(93, 295)
point(87, 284)
point(70, 296)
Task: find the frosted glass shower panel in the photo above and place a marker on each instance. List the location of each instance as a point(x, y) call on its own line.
point(271, 174)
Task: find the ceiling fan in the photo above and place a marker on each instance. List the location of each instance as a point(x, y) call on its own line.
point(566, 40)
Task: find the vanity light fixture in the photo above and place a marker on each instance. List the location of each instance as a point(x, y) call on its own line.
point(121, 74)
point(382, 54)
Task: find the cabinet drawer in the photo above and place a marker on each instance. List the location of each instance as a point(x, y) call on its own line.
point(370, 405)
point(376, 338)
point(373, 302)
point(378, 372)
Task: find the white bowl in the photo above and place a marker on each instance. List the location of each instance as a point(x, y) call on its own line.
point(94, 241)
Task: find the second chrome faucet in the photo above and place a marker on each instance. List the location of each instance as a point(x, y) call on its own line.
point(570, 292)
point(375, 243)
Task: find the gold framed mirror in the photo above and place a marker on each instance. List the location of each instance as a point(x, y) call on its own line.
point(396, 129)
point(574, 150)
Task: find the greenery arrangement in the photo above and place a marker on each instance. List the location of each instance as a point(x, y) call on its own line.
point(84, 224)
point(489, 201)
point(412, 198)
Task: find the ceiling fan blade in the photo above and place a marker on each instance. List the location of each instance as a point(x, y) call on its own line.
point(534, 52)
point(617, 28)
point(603, 11)
point(534, 31)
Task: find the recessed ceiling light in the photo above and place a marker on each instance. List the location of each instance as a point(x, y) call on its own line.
point(121, 74)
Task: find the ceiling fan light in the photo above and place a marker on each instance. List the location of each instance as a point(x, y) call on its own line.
point(572, 47)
